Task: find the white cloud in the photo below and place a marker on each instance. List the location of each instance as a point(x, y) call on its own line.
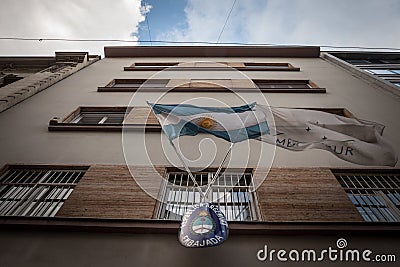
point(318, 22)
point(82, 19)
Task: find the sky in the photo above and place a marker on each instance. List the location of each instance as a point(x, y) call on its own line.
point(368, 23)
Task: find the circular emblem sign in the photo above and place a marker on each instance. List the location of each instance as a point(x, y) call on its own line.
point(204, 225)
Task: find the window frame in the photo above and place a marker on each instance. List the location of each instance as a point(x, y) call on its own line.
point(160, 211)
point(158, 66)
point(110, 87)
point(35, 194)
point(374, 201)
point(67, 124)
point(312, 87)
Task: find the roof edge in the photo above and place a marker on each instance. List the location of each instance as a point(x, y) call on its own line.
point(212, 51)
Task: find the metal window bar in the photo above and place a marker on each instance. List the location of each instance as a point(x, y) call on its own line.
point(232, 192)
point(36, 192)
point(376, 196)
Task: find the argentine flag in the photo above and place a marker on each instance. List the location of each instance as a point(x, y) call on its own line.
point(349, 139)
point(233, 124)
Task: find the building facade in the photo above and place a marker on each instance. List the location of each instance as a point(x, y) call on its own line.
point(87, 178)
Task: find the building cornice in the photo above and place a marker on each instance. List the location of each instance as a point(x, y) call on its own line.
point(212, 51)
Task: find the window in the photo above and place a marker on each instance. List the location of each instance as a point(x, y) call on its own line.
point(36, 191)
point(375, 194)
point(358, 61)
point(288, 86)
point(384, 71)
point(99, 117)
point(150, 66)
point(269, 67)
point(106, 119)
point(91, 118)
point(6, 79)
point(132, 85)
point(233, 192)
point(198, 66)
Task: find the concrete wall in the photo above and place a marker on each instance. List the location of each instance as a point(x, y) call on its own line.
point(24, 137)
point(58, 248)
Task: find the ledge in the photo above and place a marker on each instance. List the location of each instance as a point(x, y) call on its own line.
point(171, 227)
point(212, 51)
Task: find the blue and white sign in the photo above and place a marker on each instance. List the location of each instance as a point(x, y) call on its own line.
point(204, 225)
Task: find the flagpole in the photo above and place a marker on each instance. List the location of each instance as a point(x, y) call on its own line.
point(218, 170)
point(202, 195)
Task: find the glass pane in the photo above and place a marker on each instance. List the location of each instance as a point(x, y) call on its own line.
point(396, 71)
point(380, 71)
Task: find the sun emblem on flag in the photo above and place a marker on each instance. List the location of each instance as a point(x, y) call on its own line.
point(203, 223)
point(206, 122)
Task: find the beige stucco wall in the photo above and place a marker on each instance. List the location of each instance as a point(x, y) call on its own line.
point(24, 137)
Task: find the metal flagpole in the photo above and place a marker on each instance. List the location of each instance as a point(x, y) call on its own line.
point(223, 161)
point(202, 195)
point(218, 170)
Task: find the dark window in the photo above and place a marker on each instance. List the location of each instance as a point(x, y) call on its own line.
point(6, 79)
point(106, 119)
point(150, 66)
point(37, 190)
point(198, 66)
point(375, 194)
point(131, 85)
point(91, 118)
point(288, 86)
point(268, 66)
point(98, 117)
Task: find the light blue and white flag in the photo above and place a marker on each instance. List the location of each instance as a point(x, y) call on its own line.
point(234, 124)
point(350, 139)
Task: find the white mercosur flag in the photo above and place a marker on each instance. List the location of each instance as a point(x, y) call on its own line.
point(350, 139)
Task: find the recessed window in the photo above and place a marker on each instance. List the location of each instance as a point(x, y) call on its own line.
point(99, 117)
point(358, 61)
point(198, 66)
point(106, 119)
point(233, 192)
point(288, 86)
point(132, 85)
point(7, 79)
point(269, 66)
point(375, 194)
point(138, 66)
point(36, 191)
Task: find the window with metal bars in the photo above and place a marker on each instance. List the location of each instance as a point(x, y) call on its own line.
point(233, 192)
point(36, 191)
point(375, 195)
